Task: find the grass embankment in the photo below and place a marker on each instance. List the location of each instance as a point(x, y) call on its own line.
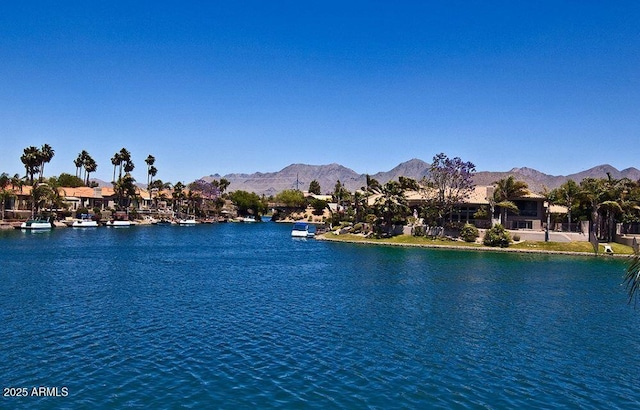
point(529, 246)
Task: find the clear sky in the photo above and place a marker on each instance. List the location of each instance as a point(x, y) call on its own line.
point(244, 86)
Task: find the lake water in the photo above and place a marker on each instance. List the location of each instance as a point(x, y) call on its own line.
point(244, 316)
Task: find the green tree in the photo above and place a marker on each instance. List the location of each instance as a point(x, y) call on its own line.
point(391, 206)
point(314, 187)
point(42, 196)
point(116, 160)
point(566, 195)
point(318, 206)
point(122, 160)
point(247, 203)
point(507, 189)
point(68, 180)
point(125, 189)
point(178, 196)
point(90, 165)
point(46, 154)
point(31, 160)
point(6, 193)
point(151, 171)
point(291, 198)
point(223, 185)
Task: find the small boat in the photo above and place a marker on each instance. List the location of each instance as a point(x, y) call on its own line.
point(36, 224)
point(162, 222)
point(249, 219)
point(187, 222)
point(301, 230)
point(118, 224)
point(85, 222)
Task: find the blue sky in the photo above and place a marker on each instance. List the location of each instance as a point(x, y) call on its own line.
point(222, 87)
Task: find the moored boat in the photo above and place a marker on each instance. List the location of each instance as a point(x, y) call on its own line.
point(85, 222)
point(36, 224)
point(118, 224)
point(302, 230)
point(187, 222)
point(162, 222)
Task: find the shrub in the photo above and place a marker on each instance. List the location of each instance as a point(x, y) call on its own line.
point(81, 211)
point(419, 230)
point(469, 233)
point(516, 238)
point(497, 236)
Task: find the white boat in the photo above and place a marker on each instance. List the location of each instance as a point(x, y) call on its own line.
point(85, 222)
point(187, 222)
point(36, 224)
point(118, 224)
point(301, 230)
point(249, 219)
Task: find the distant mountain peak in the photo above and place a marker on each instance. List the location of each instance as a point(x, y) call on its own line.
point(299, 176)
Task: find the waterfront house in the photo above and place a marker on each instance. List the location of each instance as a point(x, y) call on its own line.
point(532, 209)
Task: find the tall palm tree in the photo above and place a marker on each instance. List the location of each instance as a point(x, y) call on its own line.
point(506, 190)
point(125, 159)
point(177, 195)
point(46, 154)
point(78, 162)
point(31, 160)
point(116, 160)
point(90, 166)
point(151, 171)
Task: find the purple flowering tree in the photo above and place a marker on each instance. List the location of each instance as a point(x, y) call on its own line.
point(449, 183)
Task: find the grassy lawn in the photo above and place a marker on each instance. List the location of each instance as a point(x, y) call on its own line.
point(401, 240)
point(526, 245)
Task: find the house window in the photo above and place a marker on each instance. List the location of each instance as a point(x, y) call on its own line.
point(527, 208)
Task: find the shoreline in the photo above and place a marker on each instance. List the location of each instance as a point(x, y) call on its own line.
point(325, 237)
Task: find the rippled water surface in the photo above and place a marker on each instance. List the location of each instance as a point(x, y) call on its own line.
point(243, 316)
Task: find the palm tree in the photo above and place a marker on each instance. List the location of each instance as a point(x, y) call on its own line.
point(223, 185)
point(151, 171)
point(507, 189)
point(46, 154)
point(78, 162)
point(391, 206)
point(116, 160)
point(177, 195)
point(90, 166)
point(17, 181)
point(128, 167)
point(41, 196)
point(125, 188)
point(567, 195)
point(31, 160)
point(125, 159)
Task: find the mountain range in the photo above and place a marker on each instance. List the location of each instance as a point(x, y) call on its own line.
point(300, 175)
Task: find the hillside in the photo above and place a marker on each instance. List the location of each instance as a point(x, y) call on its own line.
point(300, 175)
